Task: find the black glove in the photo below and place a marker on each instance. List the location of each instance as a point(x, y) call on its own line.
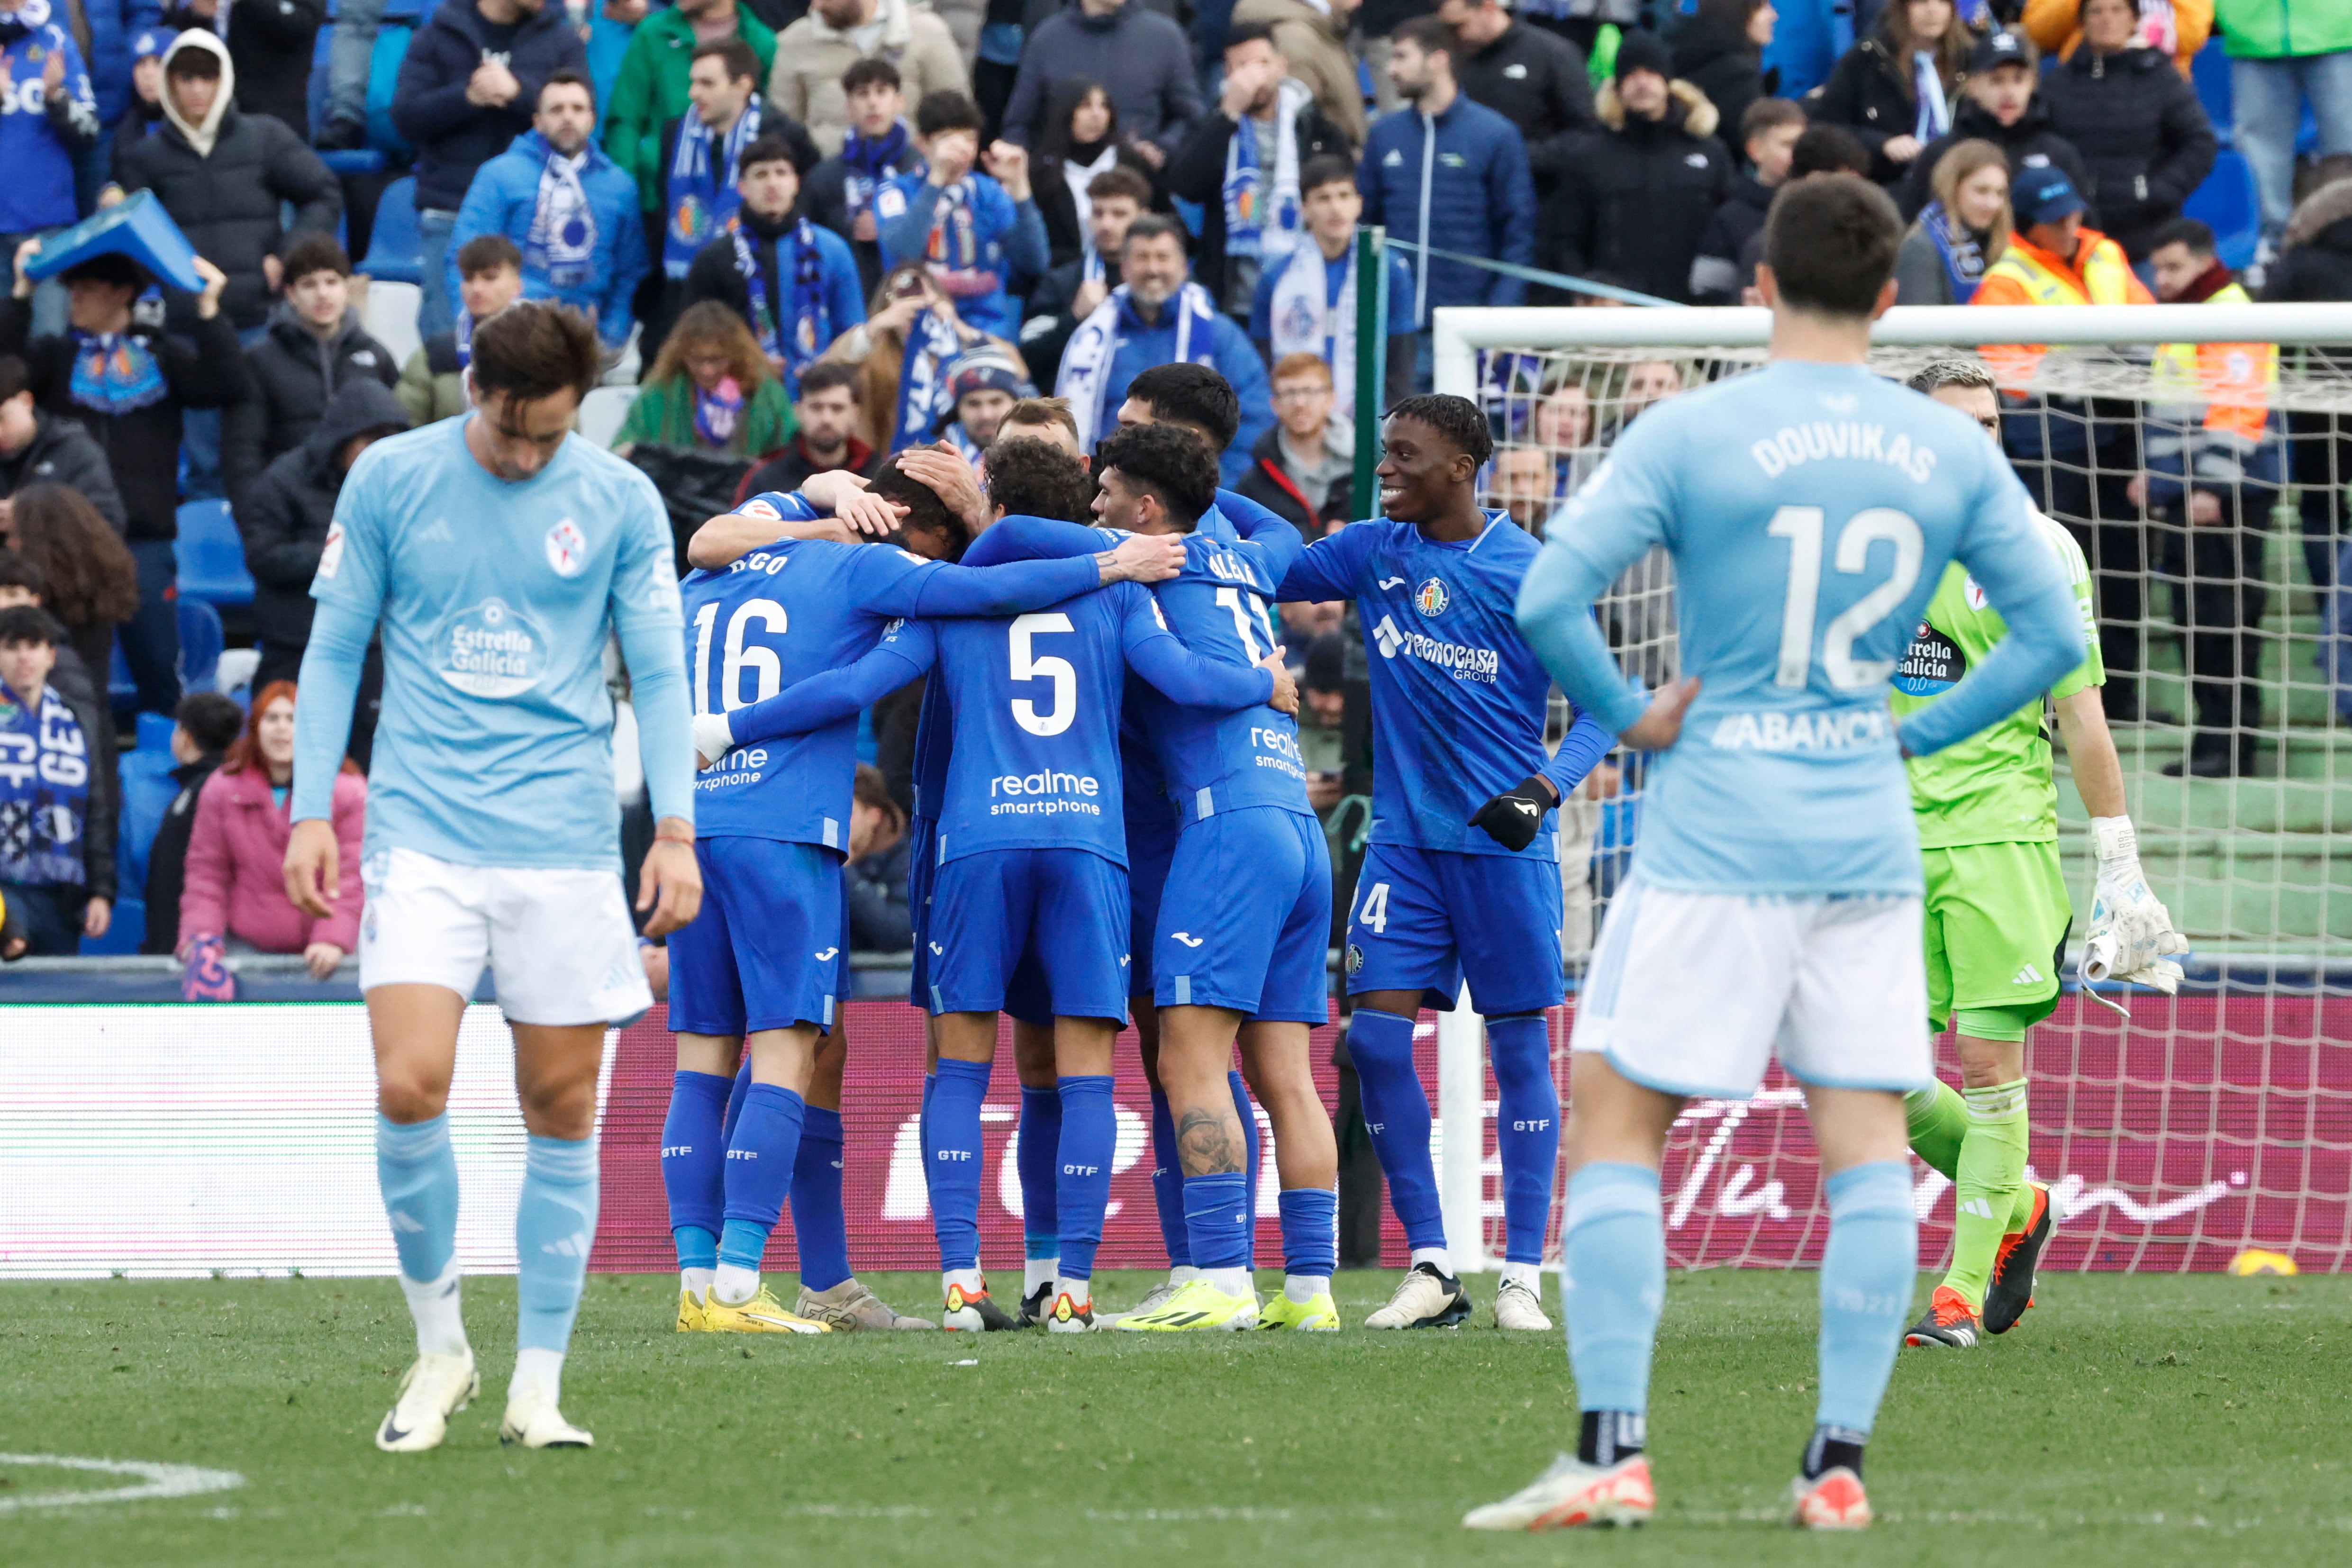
point(1512, 817)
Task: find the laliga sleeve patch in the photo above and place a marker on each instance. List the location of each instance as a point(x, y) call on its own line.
point(330, 557)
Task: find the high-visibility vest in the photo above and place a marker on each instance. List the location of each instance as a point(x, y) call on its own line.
point(2104, 278)
point(2234, 382)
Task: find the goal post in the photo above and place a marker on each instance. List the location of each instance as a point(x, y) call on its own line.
point(2213, 518)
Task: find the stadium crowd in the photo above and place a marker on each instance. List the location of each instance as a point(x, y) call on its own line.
point(814, 237)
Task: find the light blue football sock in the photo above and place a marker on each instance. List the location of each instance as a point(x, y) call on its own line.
point(1527, 1131)
point(956, 1161)
point(1612, 1283)
point(760, 1161)
point(820, 1228)
point(1867, 1270)
point(1396, 1109)
point(1040, 1153)
point(417, 1172)
point(555, 1227)
point(1089, 1138)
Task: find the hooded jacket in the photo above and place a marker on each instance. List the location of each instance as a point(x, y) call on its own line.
point(504, 199)
point(2032, 143)
point(2142, 133)
point(1729, 69)
point(455, 137)
point(272, 42)
point(1317, 48)
point(2315, 261)
point(1141, 58)
point(1461, 179)
point(62, 453)
point(1634, 199)
point(284, 521)
point(811, 54)
point(223, 181)
point(295, 375)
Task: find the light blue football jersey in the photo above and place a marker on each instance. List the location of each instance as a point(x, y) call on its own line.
point(1810, 509)
point(494, 601)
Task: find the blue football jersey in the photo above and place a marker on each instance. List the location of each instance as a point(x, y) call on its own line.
point(1810, 509)
point(1459, 700)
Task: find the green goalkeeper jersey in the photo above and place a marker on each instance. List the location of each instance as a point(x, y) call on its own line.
point(1997, 786)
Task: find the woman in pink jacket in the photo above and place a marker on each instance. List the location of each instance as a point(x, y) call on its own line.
point(235, 888)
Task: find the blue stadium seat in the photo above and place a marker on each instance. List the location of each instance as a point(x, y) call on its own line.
point(122, 691)
point(396, 246)
point(212, 556)
point(2208, 72)
point(147, 791)
point(392, 41)
point(201, 640)
point(352, 160)
point(2228, 203)
point(124, 936)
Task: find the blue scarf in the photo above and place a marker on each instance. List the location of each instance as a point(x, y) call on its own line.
point(954, 248)
point(925, 398)
point(561, 243)
point(115, 372)
point(702, 194)
point(812, 329)
point(1963, 258)
point(44, 792)
point(870, 164)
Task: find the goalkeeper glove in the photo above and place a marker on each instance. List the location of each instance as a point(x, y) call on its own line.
point(2131, 936)
point(1512, 817)
point(713, 738)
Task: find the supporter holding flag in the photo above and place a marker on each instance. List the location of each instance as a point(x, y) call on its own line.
point(975, 230)
point(1959, 233)
point(901, 352)
point(794, 284)
point(877, 146)
point(56, 811)
point(1307, 304)
point(40, 150)
point(1158, 317)
point(569, 210)
point(489, 278)
point(1243, 164)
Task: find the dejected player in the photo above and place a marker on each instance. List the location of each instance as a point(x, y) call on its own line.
point(1462, 878)
point(1774, 904)
point(497, 555)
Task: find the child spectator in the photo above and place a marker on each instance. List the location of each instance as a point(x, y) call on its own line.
point(143, 116)
point(793, 283)
point(313, 347)
point(1308, 304)
point(711, 390)
point(826, 440)
point(234, 892)
point(202, 732)
point(56, 811)
point(974, 230)
point(489, 278)
point(877, 147)
point(22, 582)
point(985, 384)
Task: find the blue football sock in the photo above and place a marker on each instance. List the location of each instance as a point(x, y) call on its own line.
point(1168, 1182)
point(1040, 1153)
point(418, 1173)
point(1089, 1137)
point(955, 1161)
point(1396, 1109)
point(1527, 1130)
point(1612, 1283)
point(1248, 1114)
point(555, 1227)
point(735, 1092)
point(1310, 1232)
point(1215, 1213)
point(1867, 1270)
point(759, 1159)
point(819, 1226)
point(693, 1161)
point(923, 1126)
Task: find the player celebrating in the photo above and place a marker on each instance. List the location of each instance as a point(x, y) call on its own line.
point(497, 555)
point(771, 849)
point(1810, 509)
point(1997, 915)
point(1463, 876)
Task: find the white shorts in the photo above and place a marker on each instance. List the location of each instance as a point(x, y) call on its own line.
point(1695, 993)
point(559, 942)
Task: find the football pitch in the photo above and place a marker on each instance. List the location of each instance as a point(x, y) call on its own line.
point(2128, 1420)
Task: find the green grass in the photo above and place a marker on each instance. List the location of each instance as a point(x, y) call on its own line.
point(2130, 1420)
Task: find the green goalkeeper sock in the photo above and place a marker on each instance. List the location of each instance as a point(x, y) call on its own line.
point(1991, 1181)
point(1939, 1122)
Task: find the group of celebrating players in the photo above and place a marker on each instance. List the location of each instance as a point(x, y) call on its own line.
point(1111, 821)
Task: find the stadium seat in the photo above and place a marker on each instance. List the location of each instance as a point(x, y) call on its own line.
point(390, 316)
point(602, 410)
point(212, 556)
point(122, 691)
point(392, 41)
point(2228, 203)
point(2208, 72)
point(147, 791)
point(201, 640)
point(396, 248)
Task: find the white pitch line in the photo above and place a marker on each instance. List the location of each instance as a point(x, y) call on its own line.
point(157, 1481)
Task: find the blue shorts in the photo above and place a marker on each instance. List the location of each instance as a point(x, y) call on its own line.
point(1065, 910)
point(1246, 923)
point(1151, 847)
point(1425, 920)
point(767, 950)
point(1025, 996)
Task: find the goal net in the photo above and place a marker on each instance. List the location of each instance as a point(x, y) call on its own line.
point(2202, 457)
